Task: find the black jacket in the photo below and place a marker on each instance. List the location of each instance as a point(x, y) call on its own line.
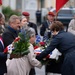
point(9, 35)
point(33, 26)
point(43, 28)
point(3, 58)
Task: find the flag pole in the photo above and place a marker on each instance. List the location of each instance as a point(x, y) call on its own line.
point(56, 15)
point(0, 6)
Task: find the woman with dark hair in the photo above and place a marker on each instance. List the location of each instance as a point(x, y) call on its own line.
point(65, 43)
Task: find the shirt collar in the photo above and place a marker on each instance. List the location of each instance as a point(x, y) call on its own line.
point(13, 30)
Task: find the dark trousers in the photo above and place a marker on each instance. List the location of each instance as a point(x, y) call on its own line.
point(1, 74)
point(32, 71)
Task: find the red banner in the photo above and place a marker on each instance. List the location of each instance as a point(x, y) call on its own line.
point(60, 4)
point(0, 2)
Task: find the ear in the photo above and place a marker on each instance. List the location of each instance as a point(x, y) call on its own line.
point(11, 23)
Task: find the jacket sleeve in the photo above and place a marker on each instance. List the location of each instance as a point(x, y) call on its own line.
point(31, 57)
point(7, 38)
point(42, 29)
point(71, 27)
point(2, 55)
point(36, 29)
point(49, 49)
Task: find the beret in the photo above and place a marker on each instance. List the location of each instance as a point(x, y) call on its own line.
point(25, 14)
point(51, 13)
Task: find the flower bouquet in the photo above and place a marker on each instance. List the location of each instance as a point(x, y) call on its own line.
point(55, 54)
point(38, 48)
point(20, 45)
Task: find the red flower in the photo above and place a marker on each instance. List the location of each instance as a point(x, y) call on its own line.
point(17, 39)
point(42, 43)
point(35, 47)
point(37, 53)
point(6, 50)
point(48, 56)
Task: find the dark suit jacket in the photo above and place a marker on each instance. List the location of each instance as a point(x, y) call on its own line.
point(43, 28)
point(9, 35)
point(33, 26)
point(64, 42)
point(3, 58)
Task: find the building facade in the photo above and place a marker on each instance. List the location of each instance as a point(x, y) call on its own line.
point(32, 5)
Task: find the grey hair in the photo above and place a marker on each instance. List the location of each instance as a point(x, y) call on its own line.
point(13, 18)
point(30, 31)
point(2, 15)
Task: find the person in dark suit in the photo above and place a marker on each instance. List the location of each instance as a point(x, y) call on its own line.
point(30, 24)
point(45, 25)
point(65, 43)
point(38, 17)
point(3, 57)
point(11, 32)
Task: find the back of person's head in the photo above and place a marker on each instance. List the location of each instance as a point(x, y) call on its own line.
point(57, 26)
point(13, 18)
point(30, 31)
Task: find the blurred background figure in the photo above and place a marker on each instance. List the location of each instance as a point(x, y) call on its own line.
point(45, 25)
point(38, 17)
point(2, 23)
point(25, 26)
point(24, 23)
point(71, 27)
point(30, 24)
point(44, 30)
point(12, 30)
point(3, 58)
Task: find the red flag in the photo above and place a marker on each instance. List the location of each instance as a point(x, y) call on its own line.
point(60, 4)
point(0, 2)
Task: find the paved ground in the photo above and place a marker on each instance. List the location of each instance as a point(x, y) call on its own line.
point(40, 71)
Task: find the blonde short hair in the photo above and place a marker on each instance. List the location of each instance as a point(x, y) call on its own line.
point(13, 18)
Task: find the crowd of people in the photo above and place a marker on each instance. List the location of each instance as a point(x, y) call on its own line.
point(25, 65)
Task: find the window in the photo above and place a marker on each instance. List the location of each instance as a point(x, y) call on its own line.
point(18, 4)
